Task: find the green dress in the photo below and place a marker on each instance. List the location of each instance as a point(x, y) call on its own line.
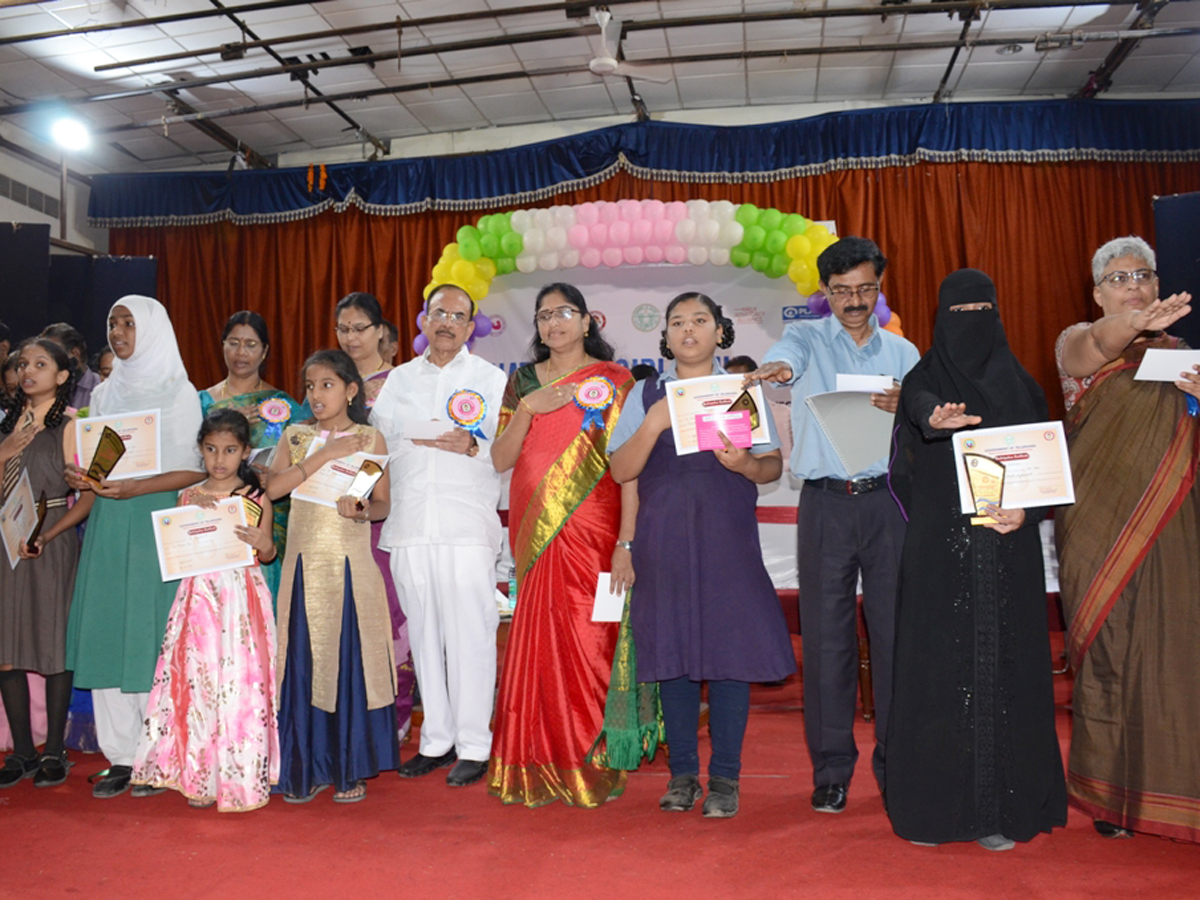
point(265, 431)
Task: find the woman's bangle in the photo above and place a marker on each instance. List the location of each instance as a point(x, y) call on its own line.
point(521, 404)
point(303, 471)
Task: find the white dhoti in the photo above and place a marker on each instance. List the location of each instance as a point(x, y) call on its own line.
point(120, 718)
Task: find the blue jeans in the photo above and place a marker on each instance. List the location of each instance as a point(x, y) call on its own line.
point(728, 709)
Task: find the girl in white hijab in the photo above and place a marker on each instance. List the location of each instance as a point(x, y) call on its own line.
point(119, 610)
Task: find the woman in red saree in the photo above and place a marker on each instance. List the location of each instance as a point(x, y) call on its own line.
point(1128, 553)
point(568, 521)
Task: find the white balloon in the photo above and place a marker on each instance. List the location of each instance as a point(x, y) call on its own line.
point(722, 210)
point(548, 262)
point(564, 216)
point(708, 231)
point(731, 234)
point(568, 259)
point(535, 241)
point(521, 221)
point(543, 218)
point(527, 262)
point(698, 209)
point(697, 256)
point(685, 231)
point(718, 256)
point(556, 237)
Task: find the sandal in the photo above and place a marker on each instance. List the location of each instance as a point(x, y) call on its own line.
point(356, 793)
point(112, 781)
point(17, 769)
point(52, 769)
point(292, 798)
point(201, 804)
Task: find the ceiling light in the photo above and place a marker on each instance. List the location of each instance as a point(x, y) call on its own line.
point(1009, 49)
point(71, 134)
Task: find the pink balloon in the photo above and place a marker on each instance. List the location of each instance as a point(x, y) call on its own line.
point(589, 257)
point(420, 342)
point(664, 231)
point(633, 255)
point(577, 236)
point(654, 253)
point(612, 257)
point(599, 235)
point(631, 210)
point(675, 254)
point(653, 210)
point(587, 214)
point(640, 232)
point(618, 234)
point(676, 211)
point(608, 212)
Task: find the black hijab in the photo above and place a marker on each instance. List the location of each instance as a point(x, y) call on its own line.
point(970, 361)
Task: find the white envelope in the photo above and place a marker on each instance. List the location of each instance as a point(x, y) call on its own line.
point(870, 384)
point(425, 429)
point(1165, 365)
point(608, 606)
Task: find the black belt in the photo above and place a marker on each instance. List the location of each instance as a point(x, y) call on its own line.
point(857, 486)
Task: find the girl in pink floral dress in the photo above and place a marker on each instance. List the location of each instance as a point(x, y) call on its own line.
point(211, 732)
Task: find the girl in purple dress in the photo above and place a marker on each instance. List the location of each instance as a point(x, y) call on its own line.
point(703, 608)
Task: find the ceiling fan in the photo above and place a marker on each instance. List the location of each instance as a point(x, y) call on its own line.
point(606, 63)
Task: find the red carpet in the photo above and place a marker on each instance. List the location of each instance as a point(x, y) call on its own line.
point(422, 839)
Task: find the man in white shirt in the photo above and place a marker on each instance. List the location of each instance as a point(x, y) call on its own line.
point(444, 534)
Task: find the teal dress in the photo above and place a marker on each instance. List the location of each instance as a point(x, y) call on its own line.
point(265, 410)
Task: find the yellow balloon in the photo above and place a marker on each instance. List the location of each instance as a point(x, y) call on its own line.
point(813, 232)
point(450, 252)
point(463, 272)
point(799, 270)
point(441, 273)
point(486, 267)
point(798, 246)
point(808, 287)
point(429, 288)
point(476, 289)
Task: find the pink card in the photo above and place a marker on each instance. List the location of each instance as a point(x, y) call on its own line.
point(736, 426)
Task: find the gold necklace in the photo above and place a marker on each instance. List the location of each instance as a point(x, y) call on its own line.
point(550, 369)
point(225, 387)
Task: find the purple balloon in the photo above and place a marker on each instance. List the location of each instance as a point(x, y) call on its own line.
point(881, 310)
point(420, 342)
point(421, 319)
point(818, 304)
point(483, 326)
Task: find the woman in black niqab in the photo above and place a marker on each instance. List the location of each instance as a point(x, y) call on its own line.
point(972, 749)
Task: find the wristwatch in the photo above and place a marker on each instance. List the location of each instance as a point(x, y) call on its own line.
point(628, 545)
point(473, 450)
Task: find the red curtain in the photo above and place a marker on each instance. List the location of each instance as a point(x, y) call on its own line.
point(1032, 227)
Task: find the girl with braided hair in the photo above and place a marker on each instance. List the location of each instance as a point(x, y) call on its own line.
point(36, 595)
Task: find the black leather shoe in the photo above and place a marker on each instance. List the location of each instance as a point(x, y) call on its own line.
point(111, 782)
point(16, 769)
point(466, 771)
point(146, 790)
point(422, 765)
point(1109, 830)
point(829, 798)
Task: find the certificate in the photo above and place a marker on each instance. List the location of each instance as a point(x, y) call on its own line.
point(1035, 467)
point(18, 518)
point(192, 540)
point(138, 432)
point(690, 400)
point(333, 479)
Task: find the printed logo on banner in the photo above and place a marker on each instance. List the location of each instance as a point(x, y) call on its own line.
point(749, 315)
point(646, 317)
point(497, 324)
point(600, 318)
point(795, 313)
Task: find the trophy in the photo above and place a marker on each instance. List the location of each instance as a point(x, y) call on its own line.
point(986, 478)
point(41, 520)
point(364, 482)
point(109, 451)
point(746, 402)
point(253, 509)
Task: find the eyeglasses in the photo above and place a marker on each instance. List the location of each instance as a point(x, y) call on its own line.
point(345, 330)
point(234, 345)
point(1139, 276)
point(863, 291)
point(566, 313)
point(454, 318)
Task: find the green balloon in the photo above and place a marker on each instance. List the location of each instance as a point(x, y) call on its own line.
point(505, 265)
point(468, 247)
point(499, 225)
point(739, 257)
point(779, 265)
point(760, 261)
point(770, 219)
point(746, 215)
point(511, 244)
point(490, 244)
point(794, 224)
point(754, 238)
point(775, 242)
point(467, 233)
point(482, 224)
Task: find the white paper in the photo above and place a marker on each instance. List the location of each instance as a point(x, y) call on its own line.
point(1037, 465)
point(1165, 365)
point(870, 384)
point(200, 540)
point(861, 434)
point(139, 461)
point(333, 479)
point(688, 398)
point(608, 606)
point(425, 429)
point(18, 518)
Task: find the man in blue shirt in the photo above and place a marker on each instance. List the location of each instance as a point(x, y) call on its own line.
point(848, 521)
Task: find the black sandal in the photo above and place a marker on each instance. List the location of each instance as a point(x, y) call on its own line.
point(1109, 830)
point(52, 769)
point(111, 782)
point(16, 769)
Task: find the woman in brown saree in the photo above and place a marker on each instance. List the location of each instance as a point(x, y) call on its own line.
point(1128, 553)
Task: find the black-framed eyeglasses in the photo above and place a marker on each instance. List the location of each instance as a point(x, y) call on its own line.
point(1137, 276)
point(863, 291)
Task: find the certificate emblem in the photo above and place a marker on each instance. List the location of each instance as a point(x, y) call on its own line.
point(593, 396)
point(467, 409)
